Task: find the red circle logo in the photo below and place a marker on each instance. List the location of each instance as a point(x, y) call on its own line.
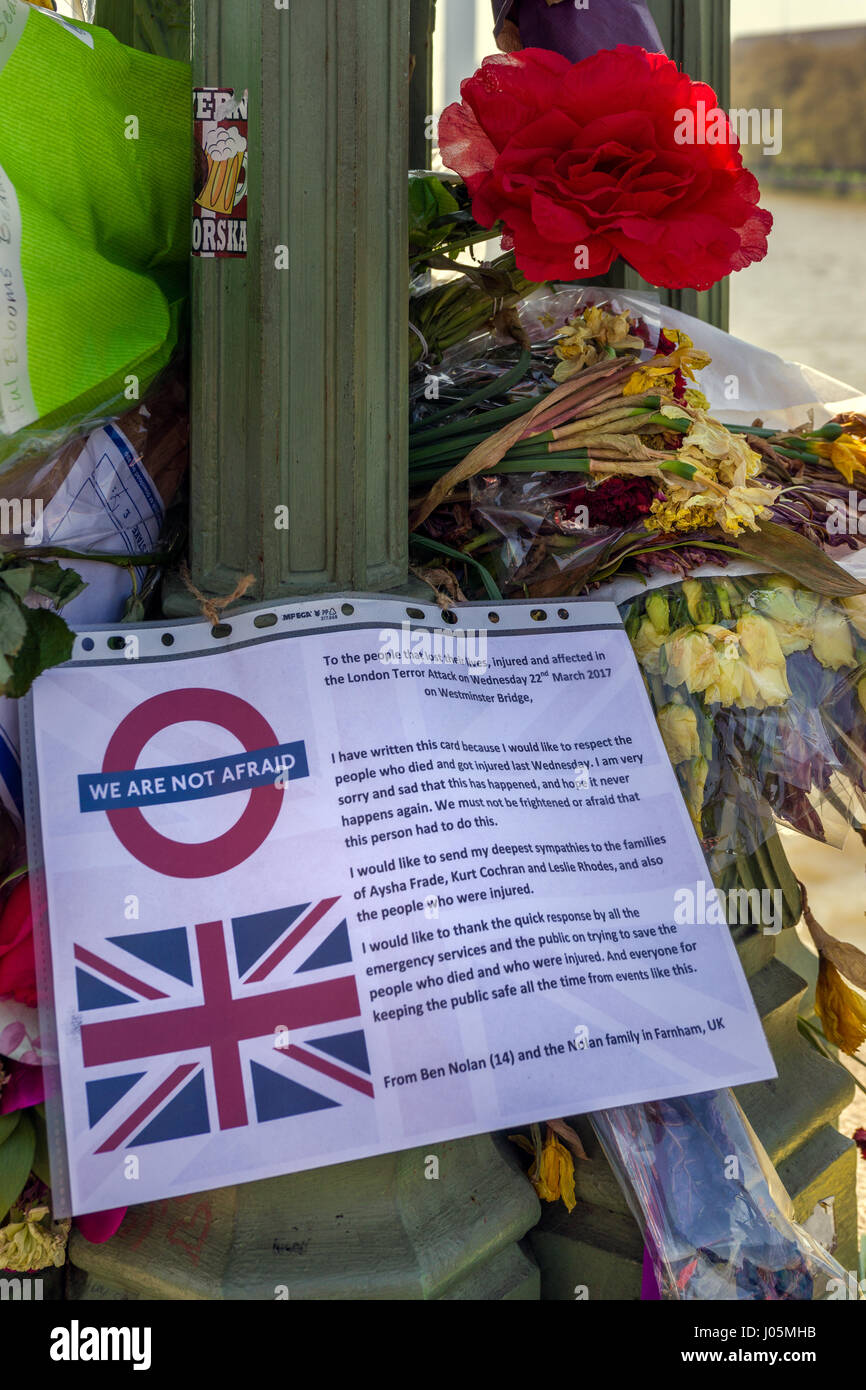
point(173, 857)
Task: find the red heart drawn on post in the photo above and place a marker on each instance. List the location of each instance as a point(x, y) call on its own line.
point(138, 1223)
point(190, 1231)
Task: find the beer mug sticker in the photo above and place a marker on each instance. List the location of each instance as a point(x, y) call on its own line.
point(219, 227)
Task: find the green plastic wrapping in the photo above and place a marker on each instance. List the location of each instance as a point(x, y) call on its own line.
point(95, 177)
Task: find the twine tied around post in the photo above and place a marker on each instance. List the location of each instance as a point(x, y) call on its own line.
point(212, 608)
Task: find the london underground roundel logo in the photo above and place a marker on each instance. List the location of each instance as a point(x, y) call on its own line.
point(122, 782)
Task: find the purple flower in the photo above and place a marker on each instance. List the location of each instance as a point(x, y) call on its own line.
point(26, 1086)
point(577, 33)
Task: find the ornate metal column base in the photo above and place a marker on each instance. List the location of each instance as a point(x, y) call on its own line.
point(382, 1228)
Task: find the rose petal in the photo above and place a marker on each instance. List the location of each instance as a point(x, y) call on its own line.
point(11, 1038)
point(99, 1226)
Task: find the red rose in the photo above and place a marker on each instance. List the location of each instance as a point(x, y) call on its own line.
point(585, 155)
point(17, 961)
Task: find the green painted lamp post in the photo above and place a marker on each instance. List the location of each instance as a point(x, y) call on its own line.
point(299, 401)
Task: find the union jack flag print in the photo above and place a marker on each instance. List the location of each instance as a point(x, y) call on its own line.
point(190, 1030)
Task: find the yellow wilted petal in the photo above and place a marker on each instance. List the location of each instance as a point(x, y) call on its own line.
point(555, 1175)
point(33, 1242)
point(855, 609)
point(693, 593)
point(848, 456)
point(679, 730)
point(760, 649)
point(842, 1012)
point(694, 781)
point(831, 642)
point(691, 660)
point(648, 378)
point(728, 689)
point(647, 644)
point(658, 611)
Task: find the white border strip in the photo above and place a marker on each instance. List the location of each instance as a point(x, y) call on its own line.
point(103, 643)
point(17, 406)
point(14, 15)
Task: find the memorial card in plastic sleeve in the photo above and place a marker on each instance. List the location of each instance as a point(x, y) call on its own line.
point(341, 883)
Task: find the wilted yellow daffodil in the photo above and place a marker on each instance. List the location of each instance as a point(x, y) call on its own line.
point(855, 609)
point(28, 1241)
point(861, 693)
point(685, 355)
point(728, 688)
point(678, 726)
point(690, 660)
point(765, 679)
point(583, 340)
point(552, 1173)
point(555, 1175)
point(832, 643)
point(693, 593)
point(709, 437)
point(658, 373)
point(658, 611)
point(741, 507)
point(692, 514)
point(847, 454)
point(792, 613)
point(842, 1011)
point(647, 644)
point(649, 378)
point(694, 781)
point(709, 442)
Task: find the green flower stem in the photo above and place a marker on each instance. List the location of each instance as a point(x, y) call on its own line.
point(680, 423)
point(453, 248)
point(478, 541)
point(497, 387)
point(59, 551)
point(490, 585)
point(421, 435)
point(456, 448)
point(544, 463)
point(682, 470)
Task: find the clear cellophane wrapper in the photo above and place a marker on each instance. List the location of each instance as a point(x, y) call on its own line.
point(758, 687)
point(715, 1218)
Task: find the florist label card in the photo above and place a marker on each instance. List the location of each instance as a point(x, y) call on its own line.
point(342, 885)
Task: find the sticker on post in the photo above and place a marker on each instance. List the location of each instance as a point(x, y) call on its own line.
point(219, 224)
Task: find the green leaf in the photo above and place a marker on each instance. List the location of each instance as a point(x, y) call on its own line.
point(16, 1161)
point(7, 1124)
point(18, 578)
point(133, 611)
point(13, 875)
point(430, 206)
point(49, 641)
point(55, 582)
point(778, 548)
point(13, 625)
point(483, 573)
